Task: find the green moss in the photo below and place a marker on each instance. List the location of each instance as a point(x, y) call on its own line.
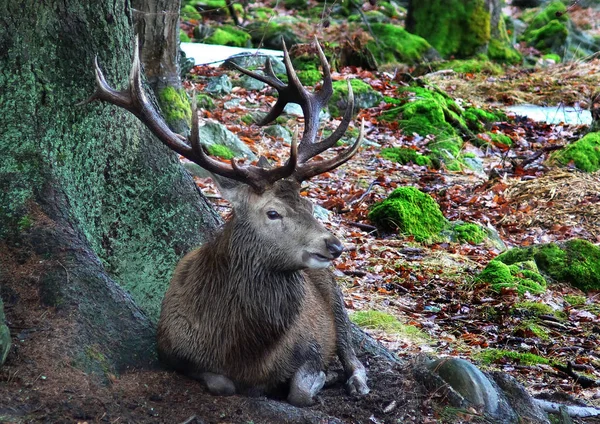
point(220, 151)
point(204, 101)
point(410, 212)
point(553, 57)
point(551, 37)
point(575, 300)
point(576, 262)
point(490, 356)
point(473, 66)
point(269, 34)
point(478, 119)
point(189, 12)
point(547, 30)
point(175, 105)
point(584, 154)
point(310, 76)
point(499, 138)
point(454, 28)
point(405, 155)
point(502, 51)
point(228, 35)
point(471, 233)
point(364, 96)
point(500, 276)
point(397, 45)
point(377, 320)
point(25, 223)
point(248, 119)
point(263, 13)
point(531, 328)
point(532, 308)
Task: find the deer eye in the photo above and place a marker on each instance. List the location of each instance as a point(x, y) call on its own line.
point(273, 215)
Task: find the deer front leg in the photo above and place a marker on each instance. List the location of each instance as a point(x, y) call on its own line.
point(308, 380)
point(356, 383)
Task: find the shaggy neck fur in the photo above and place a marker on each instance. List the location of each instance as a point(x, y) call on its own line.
point(266, 296)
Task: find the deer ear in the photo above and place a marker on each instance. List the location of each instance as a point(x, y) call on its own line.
point(232, 190)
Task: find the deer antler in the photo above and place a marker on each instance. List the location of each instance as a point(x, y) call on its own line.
point(311, 104)
point(134, 99)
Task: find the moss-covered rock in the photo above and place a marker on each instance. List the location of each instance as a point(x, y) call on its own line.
point(229, 35)
point(576, 262)
point(584, 153)
point(269, 34)
point(471, 233)
point(516, 276)
point(364, 96)
point(431, 112)
point(462, 29)
point(175, 105)
point(410, 212)
point(395, 44)
point(405, 155)
point(547, 30)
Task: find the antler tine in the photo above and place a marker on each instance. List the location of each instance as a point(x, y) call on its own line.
point(312, 150)
point(134, 100)
point(306, 171)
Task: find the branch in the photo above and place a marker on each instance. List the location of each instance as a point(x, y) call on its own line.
point(583, 381)
point(572, 410)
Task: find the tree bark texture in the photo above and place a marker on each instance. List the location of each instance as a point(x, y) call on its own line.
point(156, 24)
point(94, 212)
point(456, 28)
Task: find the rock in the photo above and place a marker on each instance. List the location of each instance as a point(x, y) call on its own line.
point(4, 336)
point(250, 83)
point(216, 133)
point(470, 383)
point(254, 61)
point(279, 133)
point(321, 213)
point(213, 133)
point(364, 96)
point(498, 396)
point(219, 85)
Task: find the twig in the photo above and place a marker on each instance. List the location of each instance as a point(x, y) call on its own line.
point(583, 381)
point(539, 153)
point(364, 227)
point(191, 419)
point(361, 198)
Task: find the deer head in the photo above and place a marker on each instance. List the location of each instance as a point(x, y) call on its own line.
point(270, 215)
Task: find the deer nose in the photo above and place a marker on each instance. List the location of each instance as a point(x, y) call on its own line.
point(334, 246)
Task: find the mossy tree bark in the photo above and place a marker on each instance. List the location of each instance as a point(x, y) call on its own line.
point(94, 212)
point(462, 28)
point(156, 25)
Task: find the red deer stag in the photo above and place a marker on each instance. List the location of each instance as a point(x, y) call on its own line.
point(255, 310)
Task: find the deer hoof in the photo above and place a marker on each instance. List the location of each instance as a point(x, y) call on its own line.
point(305, 386)
point(218, 384)
point(357, 384)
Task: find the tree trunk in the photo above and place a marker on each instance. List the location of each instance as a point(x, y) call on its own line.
point(156, 24)
point(94, 212)
point(462, 28)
